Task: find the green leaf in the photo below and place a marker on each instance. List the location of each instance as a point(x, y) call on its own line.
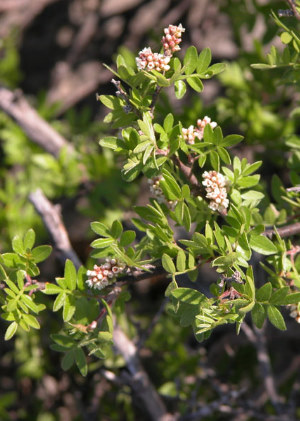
point(28, 301)
point(10, 331)
point(188, 295)
point(279, 296)
point(292, 298)
point(227, 260)
point(168, 264)
point(262, 245)
point(217, 68)
point(252, 168)
point(190, 60)
point(100, 229)
point(31, 321)
point(258, 315)
point(180, 89)
point(264, 292)
point(231, 140)
point(17, 245)
point(204, 60)
point(41, 253)
point(29, 239)
point(127, 238)
point(168, 122)
point(110, 142)
point(70, 275)
point(59, 301)
point(101, 243)
point(68, 360)
point(214, 160)
point(180, 261)
point(286, 37)
point(52, 289)
point(116, 229)
point(81, 361)
point(195, 83)
point(276, 318)
point(186, 220)
point(224, 155)
point(69, 308)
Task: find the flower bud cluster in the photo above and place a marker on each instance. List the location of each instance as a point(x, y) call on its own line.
point(215, 186)
point(171, 39)
point(192, 132)
point(147, 60)
point(295, 312)
point(156, 190)
point(104, 275)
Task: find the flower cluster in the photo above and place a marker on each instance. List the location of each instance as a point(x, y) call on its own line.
point(171, 39)
point(147, 60)
point(215, 186)
point(156, 190)
point(192, 132)
point(295, 312)
point(104, 275)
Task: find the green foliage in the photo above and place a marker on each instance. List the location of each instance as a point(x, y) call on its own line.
point(187, 222)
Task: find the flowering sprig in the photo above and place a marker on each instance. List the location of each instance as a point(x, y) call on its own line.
point(102, 276)
point(215, 186)
point(156, 190)
point(147, 60)
point(191, 133)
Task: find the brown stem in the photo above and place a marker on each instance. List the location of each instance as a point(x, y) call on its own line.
point(258, 339)
point(155, 98)
point(36, 128)
point(53, 221)
point(286, 231)
point(137, 377)
point(293, 8)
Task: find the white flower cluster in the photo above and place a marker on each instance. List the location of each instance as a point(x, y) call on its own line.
point(156, 190)
point(192, 132)
point(147, 60)
point(171, 39)
point(295, 312)
point(104, 275)
point(215, 186)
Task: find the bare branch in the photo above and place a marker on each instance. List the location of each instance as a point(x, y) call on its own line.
point(138, 379)
point(53, 222)
point(258, 339)
point(292, 5)
point(37, 129)
point(286, 231)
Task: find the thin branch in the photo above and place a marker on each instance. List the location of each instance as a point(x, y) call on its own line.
point(53, 222)
point(137, 377)
point(292, 5)
point(36, 128)
point(286, 231)
point(258, 339)
point(153, 323)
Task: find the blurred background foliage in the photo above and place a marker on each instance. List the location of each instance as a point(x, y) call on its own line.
point(53, 52)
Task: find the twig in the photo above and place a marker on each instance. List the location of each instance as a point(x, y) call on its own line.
point(292, 5)
point(137, 377)
point(53, 221)
point(151, 326)
point(37, 129)
point(286, 231)
point(258, 339)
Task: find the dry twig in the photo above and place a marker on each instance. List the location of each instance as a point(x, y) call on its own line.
point(36, 128)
